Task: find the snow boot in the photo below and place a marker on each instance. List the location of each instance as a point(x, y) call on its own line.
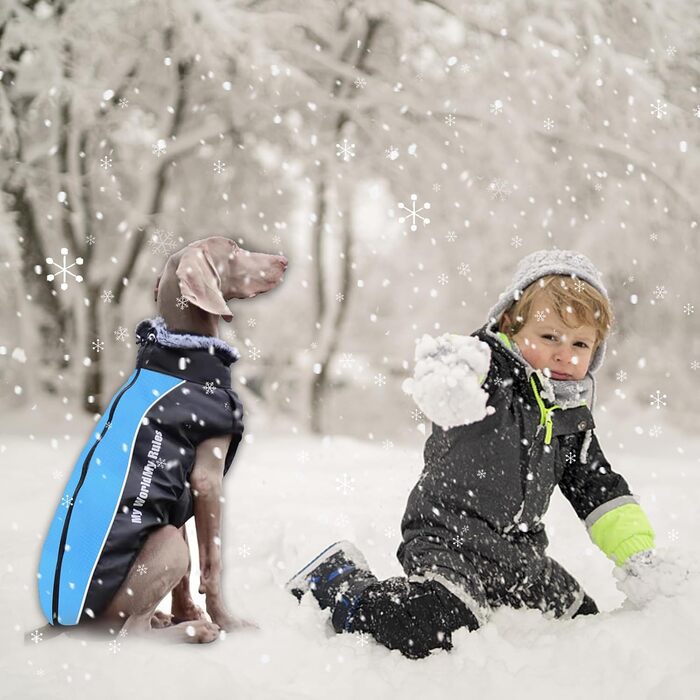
point(337, 578)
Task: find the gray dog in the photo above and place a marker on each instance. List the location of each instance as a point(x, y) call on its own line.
point(117, 544)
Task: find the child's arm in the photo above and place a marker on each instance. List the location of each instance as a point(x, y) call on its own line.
point(601, 498)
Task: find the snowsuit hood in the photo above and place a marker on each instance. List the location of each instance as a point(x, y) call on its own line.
point(551, 262)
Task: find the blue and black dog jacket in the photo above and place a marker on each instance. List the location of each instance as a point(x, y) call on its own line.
point(133, 473)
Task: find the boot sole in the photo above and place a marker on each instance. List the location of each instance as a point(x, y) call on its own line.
point(298, 584)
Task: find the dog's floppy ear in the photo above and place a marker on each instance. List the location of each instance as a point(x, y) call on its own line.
point(199, 281)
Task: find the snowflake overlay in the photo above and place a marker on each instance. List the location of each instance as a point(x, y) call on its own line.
point(64, 269)
point(414, 213)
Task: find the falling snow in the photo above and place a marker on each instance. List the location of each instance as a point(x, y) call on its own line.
point(658, 399)
point(64, 269)
point(414, 212)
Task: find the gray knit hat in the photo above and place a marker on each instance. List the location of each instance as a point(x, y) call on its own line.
point(552, 262)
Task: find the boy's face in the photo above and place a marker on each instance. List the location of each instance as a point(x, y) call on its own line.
point(548, 344)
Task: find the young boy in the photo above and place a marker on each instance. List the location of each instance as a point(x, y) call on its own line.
point(473, 539)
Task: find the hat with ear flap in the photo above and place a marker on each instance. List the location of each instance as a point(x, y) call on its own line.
point(200, 282)
point(552, 262)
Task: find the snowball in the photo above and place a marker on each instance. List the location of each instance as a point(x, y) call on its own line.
point(447, 378)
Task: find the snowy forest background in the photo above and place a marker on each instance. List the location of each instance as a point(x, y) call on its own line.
point(128, 129)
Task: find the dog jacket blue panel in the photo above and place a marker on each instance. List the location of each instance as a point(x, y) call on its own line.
point(132, 476)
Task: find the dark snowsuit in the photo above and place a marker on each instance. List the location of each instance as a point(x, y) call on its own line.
point(473, 538)
point(132, 475)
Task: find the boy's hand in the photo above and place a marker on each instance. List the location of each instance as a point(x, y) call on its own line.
point(647, 575)
point(447, 378)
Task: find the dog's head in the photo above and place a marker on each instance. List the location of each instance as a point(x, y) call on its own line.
point(214, 270)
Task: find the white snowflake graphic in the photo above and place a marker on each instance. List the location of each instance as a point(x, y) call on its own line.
point(345, 484)
point(516, 241)
point(450, 236)
point(161, 463)
point(696, 111)
point(541, 315)
point(436, 187)
point(465, 68)
point(362, 639)
point(339, 297)
point(414, 213)
point(657, 399)
point(464, 269)
point(443, 279)
point(107, 296)
point(688, 309)
point(64, 269)
point(120, 334)
point(141, 569)
point(347, 360)
point(219, 167)
point(660, 291)
point(621, 376)
point(36, 636)
point(181, 303)
point(251, 322)
point(673, 535)
point(653, 236)
point(392, 153)
point(548, 124)
point(579, 286)
point(417, 415)
point(671, 51)
point(244, 551)
point(481, 474)
point(162, 242)
point(90, 239)
point(387, 445)
point(695, 365)
point(303, 457)
point(98, 345)
point(659, 109)
point(496, 107)
point(360, 83)
point(105, 162)
point(458, 540)
point(345, 151)
point(379, 379)
point(158, 148)
point(570, 457)
point(655, 431)
point(499, 189)
point(450, 119)
point(209, 388)
point(254, 354)
point(115, 647)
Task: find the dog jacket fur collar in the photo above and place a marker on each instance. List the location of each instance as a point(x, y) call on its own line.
point(157, 331)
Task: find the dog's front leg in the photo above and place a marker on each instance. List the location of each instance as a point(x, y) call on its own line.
point(183, 608)
point(206, 483)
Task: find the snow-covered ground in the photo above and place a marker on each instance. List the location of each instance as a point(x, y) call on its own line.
point(289, 495)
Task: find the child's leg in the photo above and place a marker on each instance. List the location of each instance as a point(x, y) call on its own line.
point(555, 592)
point(411, 617)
